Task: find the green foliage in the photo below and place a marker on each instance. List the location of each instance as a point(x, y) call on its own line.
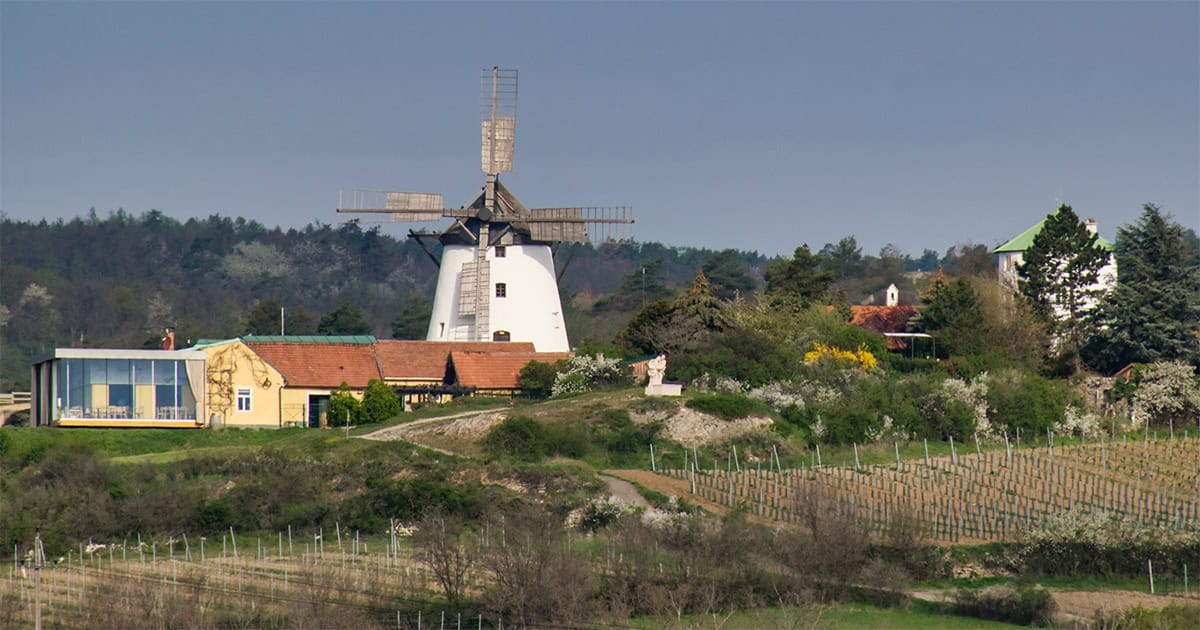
point(343, 405)
point(729, 275)
point(1170, 617)
point(952, 313)
point(536, 379)
point(526, 440)
point(1026, 402)
point(346, 319)
point(649, 332)
point(1153, 313)
point(412, 322)
point(411, 498)
point(728, 406)
point(1023, 605)
point(263, 317)
point(1060, 273)
point(379, 402)
point(742, 354)
point(797, 283)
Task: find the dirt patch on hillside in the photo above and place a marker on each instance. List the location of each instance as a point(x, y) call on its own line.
point(693, 428)
point(1086, 604)
point(680, 488)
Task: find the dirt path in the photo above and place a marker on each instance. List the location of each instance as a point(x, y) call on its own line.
point(678, 488)
point(624, 491)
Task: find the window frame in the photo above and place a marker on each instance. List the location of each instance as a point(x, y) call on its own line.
point(245, 394)
point(501, 289)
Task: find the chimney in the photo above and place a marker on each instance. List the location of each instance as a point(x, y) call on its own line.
point(168, 341)
point(1091, 226)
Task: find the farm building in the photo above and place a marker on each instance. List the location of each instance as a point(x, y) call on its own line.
point(262, 381)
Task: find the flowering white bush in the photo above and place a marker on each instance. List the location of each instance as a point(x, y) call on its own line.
point(817, 429)
point(777, 395)
point(1167, 391)
point(1079, 421)
point(709, 384)
point(585, 373)
point(974, 395)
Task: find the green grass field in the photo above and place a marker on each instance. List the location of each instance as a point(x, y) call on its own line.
point(918, 616)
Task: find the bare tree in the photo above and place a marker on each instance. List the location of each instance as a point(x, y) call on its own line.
point(442, 543)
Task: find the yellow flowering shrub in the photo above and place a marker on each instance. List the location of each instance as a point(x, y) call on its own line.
point(861, 357)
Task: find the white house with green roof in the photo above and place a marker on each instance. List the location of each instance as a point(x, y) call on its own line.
point(1012, 253)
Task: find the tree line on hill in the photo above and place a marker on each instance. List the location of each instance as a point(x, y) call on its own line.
point(119, 280)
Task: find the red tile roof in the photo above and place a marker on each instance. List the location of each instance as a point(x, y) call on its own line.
point(490, 370)
point(883, 319)
point(320, 364)
point(427, 359)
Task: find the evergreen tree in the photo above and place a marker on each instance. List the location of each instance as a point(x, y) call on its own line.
point(843, 260)
point(412, 322)
point(799, 282)
point(1060, 277)
point(953, 314)
point(300, 321)
point(728, 276)
point(262, 318)
point(1153, 313)
point(346, 319)
point(700, 305)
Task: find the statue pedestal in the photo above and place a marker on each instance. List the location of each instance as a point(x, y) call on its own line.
point(664, 389)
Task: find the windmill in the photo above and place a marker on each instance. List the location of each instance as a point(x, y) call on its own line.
point(496, 275)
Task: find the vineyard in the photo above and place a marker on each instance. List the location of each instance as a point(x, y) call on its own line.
point(980, 496)
point(278, 582)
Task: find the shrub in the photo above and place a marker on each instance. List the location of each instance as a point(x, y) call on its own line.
point(1024, 605)
point(342, 406)
point(379, 403)
point(526, 440)
point(728, 406)
point(1024, 401)
point(537, 379)
point(583, 373)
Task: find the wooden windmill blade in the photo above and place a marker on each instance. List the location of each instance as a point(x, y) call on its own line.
point(580, 224)
point(401, 206)
point(498, 119)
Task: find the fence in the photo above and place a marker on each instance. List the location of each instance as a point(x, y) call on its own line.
point(15, 398)
point(977, 497)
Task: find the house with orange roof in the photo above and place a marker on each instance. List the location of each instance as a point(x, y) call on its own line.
point(281, 381)
point(495, 373)
point(883, 320)
point(417, 369)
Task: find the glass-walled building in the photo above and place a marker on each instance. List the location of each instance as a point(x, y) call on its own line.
point(87, 387)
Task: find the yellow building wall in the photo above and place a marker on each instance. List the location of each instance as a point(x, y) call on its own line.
point(232, 366)
point(295, 401)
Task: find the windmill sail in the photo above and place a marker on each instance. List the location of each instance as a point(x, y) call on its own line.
point(496, 270)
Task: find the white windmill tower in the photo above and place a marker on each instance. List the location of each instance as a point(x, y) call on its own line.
point(496, 275)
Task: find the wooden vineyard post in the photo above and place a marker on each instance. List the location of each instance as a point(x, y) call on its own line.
point(978, 453)
point(653, 467)
point(856, 464)
point(926, 452)
point(897, 445)
point(953, 454)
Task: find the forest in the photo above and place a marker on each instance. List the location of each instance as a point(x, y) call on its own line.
point(119, 280)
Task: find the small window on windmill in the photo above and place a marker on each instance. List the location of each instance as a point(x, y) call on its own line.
point(501, 335)
point(501, 289)
point(500, 251)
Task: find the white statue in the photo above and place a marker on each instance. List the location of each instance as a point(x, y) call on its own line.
point(655, 369)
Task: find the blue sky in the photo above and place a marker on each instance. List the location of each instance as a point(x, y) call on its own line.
point(755, 126)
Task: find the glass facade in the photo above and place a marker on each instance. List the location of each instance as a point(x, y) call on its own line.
point(133, 389)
